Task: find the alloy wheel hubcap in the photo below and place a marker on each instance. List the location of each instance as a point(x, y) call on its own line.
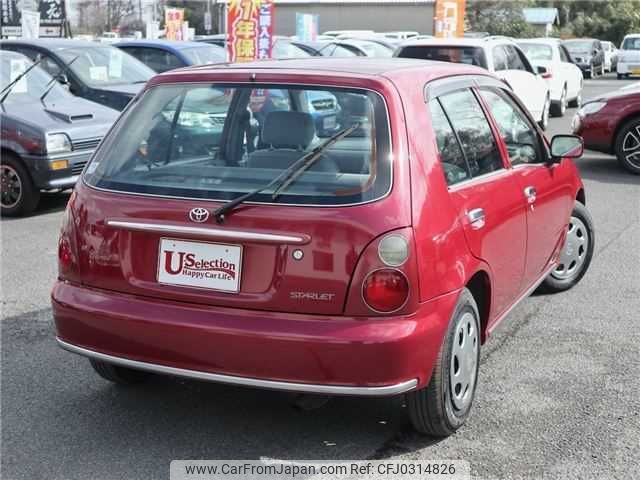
point(464, 361)
point(574, 251)
point(631, 146)
point(11, 186)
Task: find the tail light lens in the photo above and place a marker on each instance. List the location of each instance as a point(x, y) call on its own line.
point(385, 290)
point(67, 258)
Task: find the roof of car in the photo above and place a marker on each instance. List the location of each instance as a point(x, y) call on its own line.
point(547, 40)
point(343, 67)
point(463, 42)
point(55, 43)
point(165, 44)
point(10, 54)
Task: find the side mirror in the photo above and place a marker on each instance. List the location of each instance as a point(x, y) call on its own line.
point(542, 70)
point(566, 146)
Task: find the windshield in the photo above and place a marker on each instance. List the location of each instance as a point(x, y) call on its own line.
point(104, 65)
point(451, 54)
point(285, 49)
point(32, 86)
point(537, 51)
point(578, 46)
point(373, 49)
point(205, 54)
point(631, 43)
point(218, 141)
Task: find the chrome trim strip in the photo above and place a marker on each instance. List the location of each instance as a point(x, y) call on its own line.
point(219, 233)
point(528, 292)
point(243, 381)
point(63, 182)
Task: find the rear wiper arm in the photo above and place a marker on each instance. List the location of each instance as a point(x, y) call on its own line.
point(288, 176)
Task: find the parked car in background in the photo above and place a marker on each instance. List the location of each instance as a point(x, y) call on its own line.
point(588, 54)
point(349, 33)
point(563, 76)
point(497, 54)
point(108, 37)
point(283, 47)
point(48, 135)
point(610, 56)
point(629, 56)
point(163, 55)
point(611, 124)
point(362, 264)
point(400, 36)
point(348, 47)
point(97, 72)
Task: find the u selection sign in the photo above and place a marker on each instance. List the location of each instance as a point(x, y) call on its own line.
point(250, 28)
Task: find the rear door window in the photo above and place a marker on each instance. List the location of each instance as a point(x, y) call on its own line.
point(452, 159)
point(218, 141)
point(474, 132)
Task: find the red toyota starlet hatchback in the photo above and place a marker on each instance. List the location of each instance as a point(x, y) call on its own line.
point(229, 229)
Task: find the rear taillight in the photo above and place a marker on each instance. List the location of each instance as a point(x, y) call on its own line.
point(67, 257)
point(385, 290)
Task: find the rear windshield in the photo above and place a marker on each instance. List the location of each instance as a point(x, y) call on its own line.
point(217, 142)
point(537, 51)
point(631, 43)
point(451, 54)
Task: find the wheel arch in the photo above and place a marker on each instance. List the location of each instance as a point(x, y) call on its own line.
point(480, 287)
point(635, 115)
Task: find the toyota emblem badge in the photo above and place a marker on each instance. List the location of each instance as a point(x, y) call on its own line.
point(199, 215)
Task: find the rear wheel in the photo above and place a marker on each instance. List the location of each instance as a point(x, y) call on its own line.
point(19, 196)
point(559, 109)
point(577, 102)
point(442, 407)
point(576, 253)
point(117, 374)
point(627, 146)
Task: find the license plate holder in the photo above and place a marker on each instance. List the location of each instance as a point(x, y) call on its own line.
point(197, 264)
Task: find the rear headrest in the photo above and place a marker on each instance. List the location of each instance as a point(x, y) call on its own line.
point(288, 129)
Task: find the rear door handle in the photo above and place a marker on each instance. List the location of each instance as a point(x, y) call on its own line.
point(530, 193)
point(476, 218)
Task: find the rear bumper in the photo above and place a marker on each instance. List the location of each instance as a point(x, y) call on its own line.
point(293, 352)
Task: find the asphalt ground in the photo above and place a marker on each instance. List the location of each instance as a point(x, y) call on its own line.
point(558, 394)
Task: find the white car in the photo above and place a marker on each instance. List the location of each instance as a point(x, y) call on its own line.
point(563, 76)
point(400, 36)
point(629, 56)
point(499, 55)
point(610, 56)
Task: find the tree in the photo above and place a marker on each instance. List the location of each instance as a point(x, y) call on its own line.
point(499, 17)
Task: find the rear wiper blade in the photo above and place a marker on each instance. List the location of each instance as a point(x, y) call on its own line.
point(49, 86)
point(288, 176)
point(7, 90)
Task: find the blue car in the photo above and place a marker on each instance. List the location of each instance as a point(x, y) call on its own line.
point(164, 55)
point(95, 71)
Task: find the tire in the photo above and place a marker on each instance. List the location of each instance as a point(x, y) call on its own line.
point(436, 409)
point(589, 73)
point(544, 121)
point(620, 76)
point(578, 248)
point(117, 374)
point(19, 195)
point(627, 146)
point(559, 109)
point(576, 102)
